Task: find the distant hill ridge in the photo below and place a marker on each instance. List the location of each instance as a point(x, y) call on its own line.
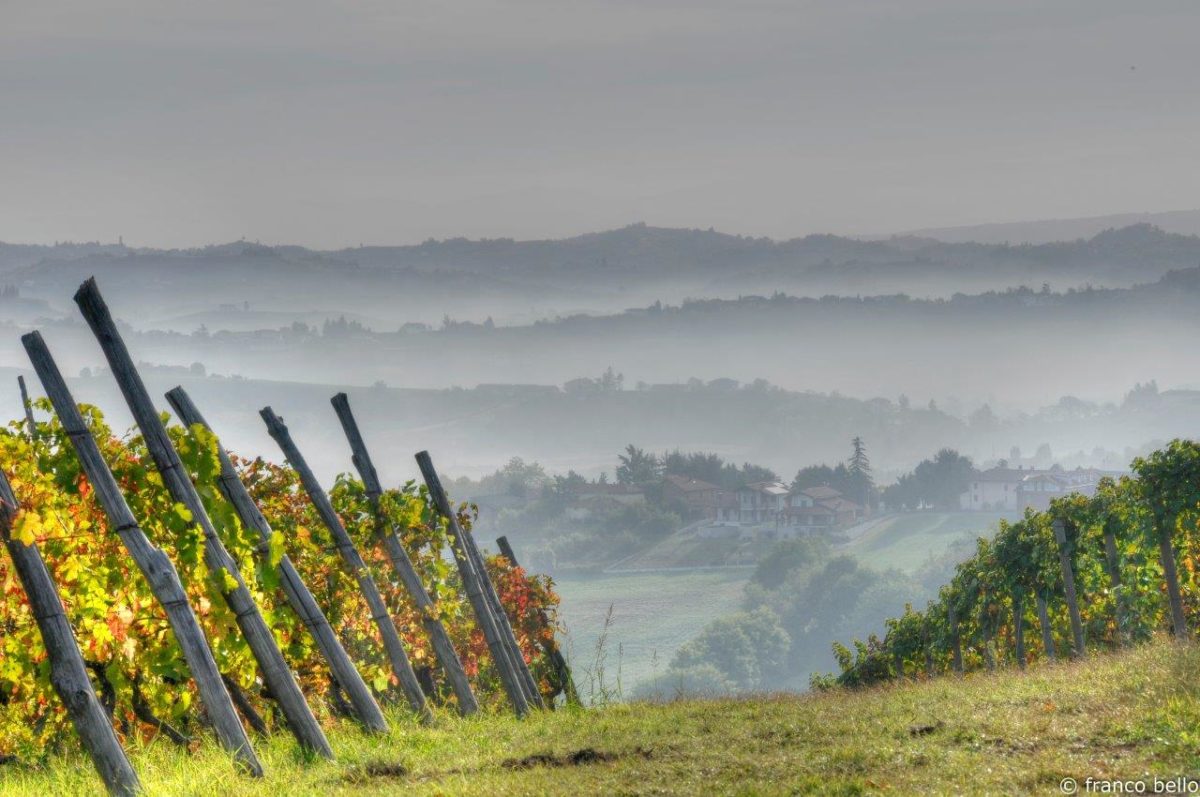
point(1183, 222)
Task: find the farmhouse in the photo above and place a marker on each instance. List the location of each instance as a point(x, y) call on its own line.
point(1018, 489)
point(821, 508)
point(700, 498)
point(762, 502)
point(995, 488)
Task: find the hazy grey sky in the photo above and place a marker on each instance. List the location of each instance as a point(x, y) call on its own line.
point(330, 124)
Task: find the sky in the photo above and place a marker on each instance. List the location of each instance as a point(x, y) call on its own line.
point(332, 124)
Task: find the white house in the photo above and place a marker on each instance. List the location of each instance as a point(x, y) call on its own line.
point(995, 488)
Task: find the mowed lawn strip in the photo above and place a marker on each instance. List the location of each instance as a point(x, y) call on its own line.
point(1113, 716)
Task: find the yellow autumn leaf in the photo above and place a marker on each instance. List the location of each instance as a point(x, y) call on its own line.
point(29, 525)
point(228, 582)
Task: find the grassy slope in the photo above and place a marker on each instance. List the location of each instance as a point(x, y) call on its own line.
point(907, 541)
point(653, 614)
point(1113, 716)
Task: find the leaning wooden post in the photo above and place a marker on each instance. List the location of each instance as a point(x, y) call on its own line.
point(398, 659)
point(533, 695)
point(68, 674)
point(484, 616)
point(926, 645)
point(1166, 550)
point(1044, 621)
point(1018, 607)
point(301, 599)
point(274, 668)
point(1064, 558)
point(557, 660)
point(1112, 563)
point(28, 405)
point(955, 641)
point(155, 565)
point(985, 632)
point(443, 648)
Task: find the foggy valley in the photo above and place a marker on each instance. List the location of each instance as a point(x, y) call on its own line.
point(530, 367)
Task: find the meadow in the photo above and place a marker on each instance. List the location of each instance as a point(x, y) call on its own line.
point(652, 615)
point(1126, 715)
point(907, 541)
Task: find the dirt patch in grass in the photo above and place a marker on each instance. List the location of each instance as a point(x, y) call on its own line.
point(582, 757)
point(374, 770)
point(925, 729)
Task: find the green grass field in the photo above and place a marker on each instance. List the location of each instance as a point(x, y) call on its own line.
point(652, 615)
point(1114, 716)
point(906, 542)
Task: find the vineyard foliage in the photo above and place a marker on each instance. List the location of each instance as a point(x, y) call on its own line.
point(129, 648)
point(1152, 517)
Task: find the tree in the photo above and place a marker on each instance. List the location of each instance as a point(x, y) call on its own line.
point(786, 557)
point(837, 477)
point(862, 484)
point(935, 482)
point(749, 649)
point(636, 466)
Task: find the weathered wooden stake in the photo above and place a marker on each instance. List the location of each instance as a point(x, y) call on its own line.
point(155, 565)
point(301, 599)
point(28, 405)
point(1047, 632)
point(1064, 558)
point(443, 647)
point(68, 673)
point(274, 668)
point(955, 641)
point(1018, 603)
point(1166, 552)
point(929, 649)
point(532, 694)
point(557, 660)
point(1112, 563)
point(397, 657)
point(985, 631)
point(484, 616)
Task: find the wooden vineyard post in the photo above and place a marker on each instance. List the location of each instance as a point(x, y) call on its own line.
point(28, 405)
point(68, 674)
point(1047, 632)
point(1064, 558)
point(397, 658)
point(484, 616)
point(1112, 563)
point(507, 636)
point(443, 647)
point(955, 641)
point(1018, 604)
point(928, 648)
point(299, 597)
point(557, 660)
point(1166, 552)
point(985, 632)
point(276, 674)
point(155, 565)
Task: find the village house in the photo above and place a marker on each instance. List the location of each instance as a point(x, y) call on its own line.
point(762, 502)
point(1039, 489)
point(699, 498)
point(994, 489)
point(1018, 489)
point(821, 508)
